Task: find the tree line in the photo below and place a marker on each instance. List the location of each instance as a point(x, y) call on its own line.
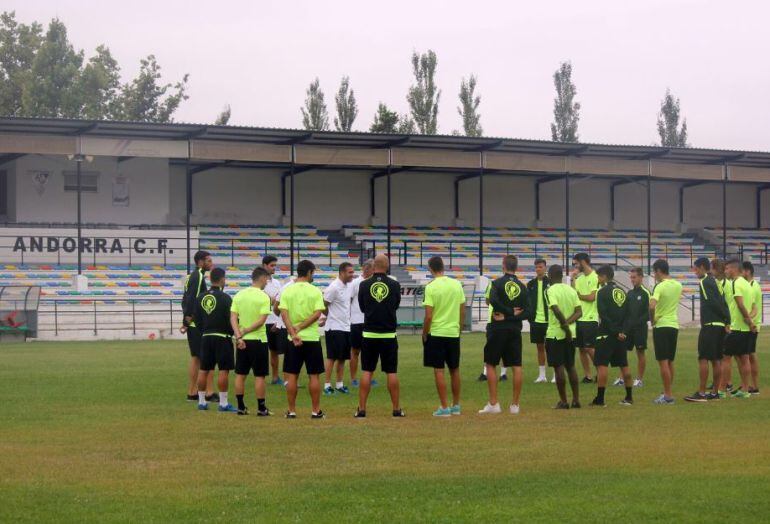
point(43, 75)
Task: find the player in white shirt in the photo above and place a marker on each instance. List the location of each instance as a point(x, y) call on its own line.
point(282, 335)
point(337, 327)
point(273, 324)
point(357, 321)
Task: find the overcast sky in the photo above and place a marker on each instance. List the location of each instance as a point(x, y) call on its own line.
point(259, 57)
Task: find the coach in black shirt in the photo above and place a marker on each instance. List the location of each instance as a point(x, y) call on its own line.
point(194, 285)
point(379, 297)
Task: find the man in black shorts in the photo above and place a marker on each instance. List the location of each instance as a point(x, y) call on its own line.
point(638, 315)
point(194, 285)
point(273, 325)
point(611, 337)
point(379, 297)
point(337, 328)
point(248, 315)
point(586, 283)
point(714, 319)
point(301, 305)
point(510, 306)
point(357, 322)
point(212, 315)
point(565, 309)
point(538, 318)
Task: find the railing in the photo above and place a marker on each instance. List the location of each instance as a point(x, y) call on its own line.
point(304, 248)
point(58, 317)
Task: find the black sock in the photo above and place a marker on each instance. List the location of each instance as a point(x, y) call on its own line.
point(629, 395)
point(600, 394)
point(241, 405)
point(261, 403)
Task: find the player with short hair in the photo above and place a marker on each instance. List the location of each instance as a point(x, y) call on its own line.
point(714, 321)
point(664, 313)
point(503, 369)
point(740, 300)
point(212, 316)
point(444, 303)
point(638, 314)
point(273, 325)
point(337, 327)
point(357, 321)
point(301, 305)
point(756, 315)
point(611, 338)
point(565, 307)
point(379, 296)
point(538, 319)
point(510, 306)
point(586, 283)
point(248, 314)
point(718, 272)
point(194, 285)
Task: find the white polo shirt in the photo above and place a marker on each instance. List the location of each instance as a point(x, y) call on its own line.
point(337, 295)
point(286, 283)
point(356, 315)
point(273, 289)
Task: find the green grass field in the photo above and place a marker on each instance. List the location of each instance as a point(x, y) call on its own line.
point(101, 432)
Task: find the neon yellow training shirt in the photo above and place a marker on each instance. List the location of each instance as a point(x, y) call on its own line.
point(250, 304)
point(540, 307)
point(566, 299)
point(301, 300)
point(585, 285)
point(444, 295)
point(666, 295)
point(756, 288)
point(738, 288)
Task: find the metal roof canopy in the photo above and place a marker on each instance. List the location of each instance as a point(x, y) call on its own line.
point(183, 131)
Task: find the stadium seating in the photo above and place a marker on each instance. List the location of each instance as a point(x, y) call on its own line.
point(753, 244)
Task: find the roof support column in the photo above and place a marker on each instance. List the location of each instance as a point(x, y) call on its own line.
point(390, 164)
point(725, 174)
point(78, 162)
point(291, 212)
point(481, 214)
point(566, 214)
point(649, 215)
point(188, 208)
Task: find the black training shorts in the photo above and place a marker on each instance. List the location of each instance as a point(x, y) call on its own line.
point(737, 343)
point(537, 332)
point(194, 341)
point(384, 350)
point(610, 352)
point(711, 343)
point(216, 352)
point(356, 336)
point(560, 352)
point(281, 341)
point(253, 358)
point(503, 344)
point(753, 342)
point(665, 339)
point(586, 334)
point(636, 338)
point(337, 345)
point(272, 337)
point(309, 354)
point(438, 352)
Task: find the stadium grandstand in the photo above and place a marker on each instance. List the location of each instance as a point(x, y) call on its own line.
point(140, 198)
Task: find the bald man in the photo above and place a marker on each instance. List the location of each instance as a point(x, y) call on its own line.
point(379, 297)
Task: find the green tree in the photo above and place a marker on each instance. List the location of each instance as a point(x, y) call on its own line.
point(347, 110)
point(406, 125)
point(469, 106)
point(566, 112)
point(146, 99)
point(224, 116)
point(51, 87)
point(99, 86)
point(315, 117)
point(385, 120)
point(18, 45)
point(671, 134)
point(423, 97)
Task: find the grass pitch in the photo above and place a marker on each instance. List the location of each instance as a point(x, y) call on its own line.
point(100, 432)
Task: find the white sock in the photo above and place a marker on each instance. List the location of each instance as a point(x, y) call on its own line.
point(503, 371)
point(542, 371)
point(223, 398)
point(201, 397)
point(340, 384)
point(327, 385)
point(484, 370)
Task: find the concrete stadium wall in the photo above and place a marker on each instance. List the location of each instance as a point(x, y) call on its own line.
point(331, 199)
point(147, 179)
